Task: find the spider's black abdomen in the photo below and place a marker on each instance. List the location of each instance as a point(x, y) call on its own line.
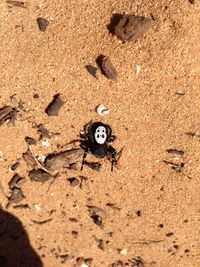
point(99, 151)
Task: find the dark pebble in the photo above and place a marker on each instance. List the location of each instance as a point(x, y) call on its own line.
point(106, 67)
point(73, 181)
point(42, 24)
point(54, 106)
point(130, 28)
point(39, 175)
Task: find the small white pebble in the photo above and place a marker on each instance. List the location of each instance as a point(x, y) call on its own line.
point(84, 265)
point(123, 251)
point(46, 143)
point(138, 69)
point(37, 207)
point(41, 158)
point(101, 110)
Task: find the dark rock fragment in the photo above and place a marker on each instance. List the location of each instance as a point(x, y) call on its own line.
point(54, 106)
point(42, 24)
point(106, 67)
point(130, 28)
point(92, 70)
point(39, 175)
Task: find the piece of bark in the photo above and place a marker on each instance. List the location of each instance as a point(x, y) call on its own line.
point(39, 175)
point(92, 70)
point(17, 3)
point(63, 159)
point(7, 113)
point(54, 106)
point(130, 28)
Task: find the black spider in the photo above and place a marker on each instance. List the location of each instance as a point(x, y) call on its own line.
point(95, 141)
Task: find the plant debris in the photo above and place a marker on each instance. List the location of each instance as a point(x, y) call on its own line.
point(137, 262)
point(54, 106)
point(63, 159)
point(106, 67)
point(29, 159)
point(42, 131)
point(175, 166)
point(100, 243)
point(16, 181)
point(17, 3)
point(14, 166)
point(73, 181)
point(39, 175)
point(117, 263)
point(42, 222)
point(16, 195)
point(96, 214)
point(92, 70)
point(30, 140)
point(82, 262)
point(7, 113)
point(21, 206)
point(42, 24)
point(176, 152)
point(129, 27)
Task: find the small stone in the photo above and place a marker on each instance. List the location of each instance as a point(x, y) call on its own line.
point(42, 24)
point(130, 28)
point(73, 181)
point(106, 67)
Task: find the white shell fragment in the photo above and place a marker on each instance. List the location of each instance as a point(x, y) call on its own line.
point(101, 110)
point(138, 69)
point(123, 251)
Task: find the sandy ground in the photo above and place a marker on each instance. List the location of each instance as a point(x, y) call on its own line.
point(149, 205)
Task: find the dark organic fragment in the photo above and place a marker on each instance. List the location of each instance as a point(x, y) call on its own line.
point(63, 159)
point(192, 1)
point(16, 181)
point(16, 195)
point(64, 258)
point(100, 243)
point(94, 165)
point(117, 263)
point(31, 141)
point(175, 166)
point(92, 70)
point(130, 27)
point(7, 113)
point(43, 132)
point(54, 106)
point(106, 67)
point(113, 206)
point(138, 261)
point(73, 181)
point(42, 24)
point(14, 166)
point(80, 261)
point(16, 3)
point(96, 214)
point(39, 175)
point(28, 158)
point(42, 222)
point(176, 152)
point(21, 206)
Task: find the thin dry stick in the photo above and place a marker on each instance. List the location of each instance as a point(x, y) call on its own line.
point(39, 164)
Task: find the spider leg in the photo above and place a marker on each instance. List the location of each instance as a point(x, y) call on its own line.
point(112, 138)
point(113, 154)
point(84, 157)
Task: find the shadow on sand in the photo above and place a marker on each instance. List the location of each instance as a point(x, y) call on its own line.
point(15, 248)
